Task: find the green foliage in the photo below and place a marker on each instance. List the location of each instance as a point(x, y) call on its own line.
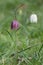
point(13, 43)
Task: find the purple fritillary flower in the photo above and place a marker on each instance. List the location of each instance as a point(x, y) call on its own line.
point(15, 24)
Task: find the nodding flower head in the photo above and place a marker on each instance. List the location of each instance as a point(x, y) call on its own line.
point(14, 24)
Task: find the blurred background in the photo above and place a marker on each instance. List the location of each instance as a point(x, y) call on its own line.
point(28, 35)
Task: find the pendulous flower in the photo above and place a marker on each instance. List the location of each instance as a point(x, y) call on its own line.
point(15, 24)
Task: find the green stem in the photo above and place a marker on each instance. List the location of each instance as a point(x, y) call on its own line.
point(17, 9)
point(40, 50)
point(22, 50)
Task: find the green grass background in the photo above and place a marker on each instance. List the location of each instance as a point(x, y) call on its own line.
point(29, 34)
